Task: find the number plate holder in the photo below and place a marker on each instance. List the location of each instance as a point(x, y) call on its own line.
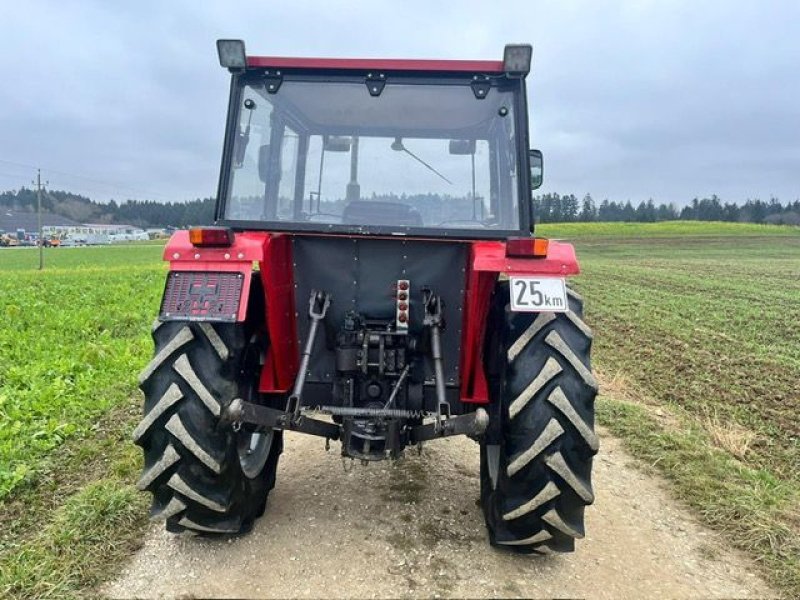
point(538, 294)
point(201, 296)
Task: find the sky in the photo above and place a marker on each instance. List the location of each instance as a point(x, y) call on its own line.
point(631, 100)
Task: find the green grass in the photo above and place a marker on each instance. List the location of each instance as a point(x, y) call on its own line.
point(662, 229)
point(713, 331)
point(706, 326)
point(72, 340)
point(76, 335)
point(119, 257)
point(75, 548)
point(751, 505)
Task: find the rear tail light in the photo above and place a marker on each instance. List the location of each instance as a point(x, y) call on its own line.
point(528, 247)
point(211, 236)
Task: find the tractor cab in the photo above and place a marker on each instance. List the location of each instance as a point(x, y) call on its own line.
point(427, 148)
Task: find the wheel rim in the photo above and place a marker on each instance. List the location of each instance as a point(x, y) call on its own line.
point(254, 449)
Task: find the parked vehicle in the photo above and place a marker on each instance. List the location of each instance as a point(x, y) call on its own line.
point(13, 239)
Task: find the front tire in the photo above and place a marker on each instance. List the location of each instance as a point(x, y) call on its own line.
point(197, 467)
point(536, 474)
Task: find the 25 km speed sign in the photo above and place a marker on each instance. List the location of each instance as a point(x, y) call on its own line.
point(538, 294)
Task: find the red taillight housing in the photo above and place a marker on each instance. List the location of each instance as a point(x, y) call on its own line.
point(211, 236)
point(528, 247)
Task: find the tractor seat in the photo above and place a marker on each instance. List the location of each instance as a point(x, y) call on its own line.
point(371, 212)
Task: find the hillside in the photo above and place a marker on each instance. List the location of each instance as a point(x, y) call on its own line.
point(142, 213)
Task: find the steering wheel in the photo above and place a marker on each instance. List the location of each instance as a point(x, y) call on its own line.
point(470, 222)
point(311, 217)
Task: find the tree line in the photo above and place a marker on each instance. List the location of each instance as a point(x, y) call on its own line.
point(555, 208)
point(549, 208)
point(140, 213)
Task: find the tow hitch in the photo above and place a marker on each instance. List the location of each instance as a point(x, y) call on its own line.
point(367, 432)
point(472, 424)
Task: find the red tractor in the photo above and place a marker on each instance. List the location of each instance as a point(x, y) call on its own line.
point(372, 278)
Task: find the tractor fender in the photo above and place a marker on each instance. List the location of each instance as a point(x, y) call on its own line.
point(488, 261)
point(491, 256)
point(238, 258)
point(272, 255)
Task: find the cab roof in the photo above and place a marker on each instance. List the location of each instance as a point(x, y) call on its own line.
point(376, 64)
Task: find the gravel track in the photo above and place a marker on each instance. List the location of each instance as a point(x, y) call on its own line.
point(413, 529)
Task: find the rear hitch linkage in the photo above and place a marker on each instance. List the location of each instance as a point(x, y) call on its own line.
point(290, 418)
point(434, 322)
point(472, 424)
point(318, 305)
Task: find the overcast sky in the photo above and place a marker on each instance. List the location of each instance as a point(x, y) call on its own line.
point(628, 100)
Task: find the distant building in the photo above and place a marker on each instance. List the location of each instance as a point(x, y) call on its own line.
point(100, 233)
point(69, 231)
point(12, 221)
point(118, 232)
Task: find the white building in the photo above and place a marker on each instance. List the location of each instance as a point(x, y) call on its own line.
point(97, 233)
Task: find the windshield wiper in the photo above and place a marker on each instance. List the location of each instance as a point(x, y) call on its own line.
point(397, 145)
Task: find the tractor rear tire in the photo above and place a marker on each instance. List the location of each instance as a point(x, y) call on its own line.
point(536, 481)
point(197, 467)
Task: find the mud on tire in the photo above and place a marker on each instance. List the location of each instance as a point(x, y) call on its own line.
point(536, 481)
point(192, 459)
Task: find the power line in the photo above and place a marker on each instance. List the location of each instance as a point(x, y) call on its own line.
point(108, 184)
point(16, 164)
point(14, 176)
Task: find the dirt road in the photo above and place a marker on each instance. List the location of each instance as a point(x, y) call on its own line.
point(413, 529)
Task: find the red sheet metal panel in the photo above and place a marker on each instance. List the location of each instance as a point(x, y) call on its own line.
point(488, 260)
point(477, 297)
point(281, 362)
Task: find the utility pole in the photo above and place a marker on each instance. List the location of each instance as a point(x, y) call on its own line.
point(38, 184)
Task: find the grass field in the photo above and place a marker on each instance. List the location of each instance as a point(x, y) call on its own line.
point(663, 229)
point(76, 333)
point(72, 339)
point(697, 342)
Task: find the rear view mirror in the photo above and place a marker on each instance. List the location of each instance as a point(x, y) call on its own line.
point(462, 147)
point(263, 162)
point(335, 143)
point(537, 168)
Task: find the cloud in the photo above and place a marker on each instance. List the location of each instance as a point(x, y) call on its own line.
point(628, 100)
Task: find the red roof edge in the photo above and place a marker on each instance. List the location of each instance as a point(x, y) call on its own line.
point(387, 64)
